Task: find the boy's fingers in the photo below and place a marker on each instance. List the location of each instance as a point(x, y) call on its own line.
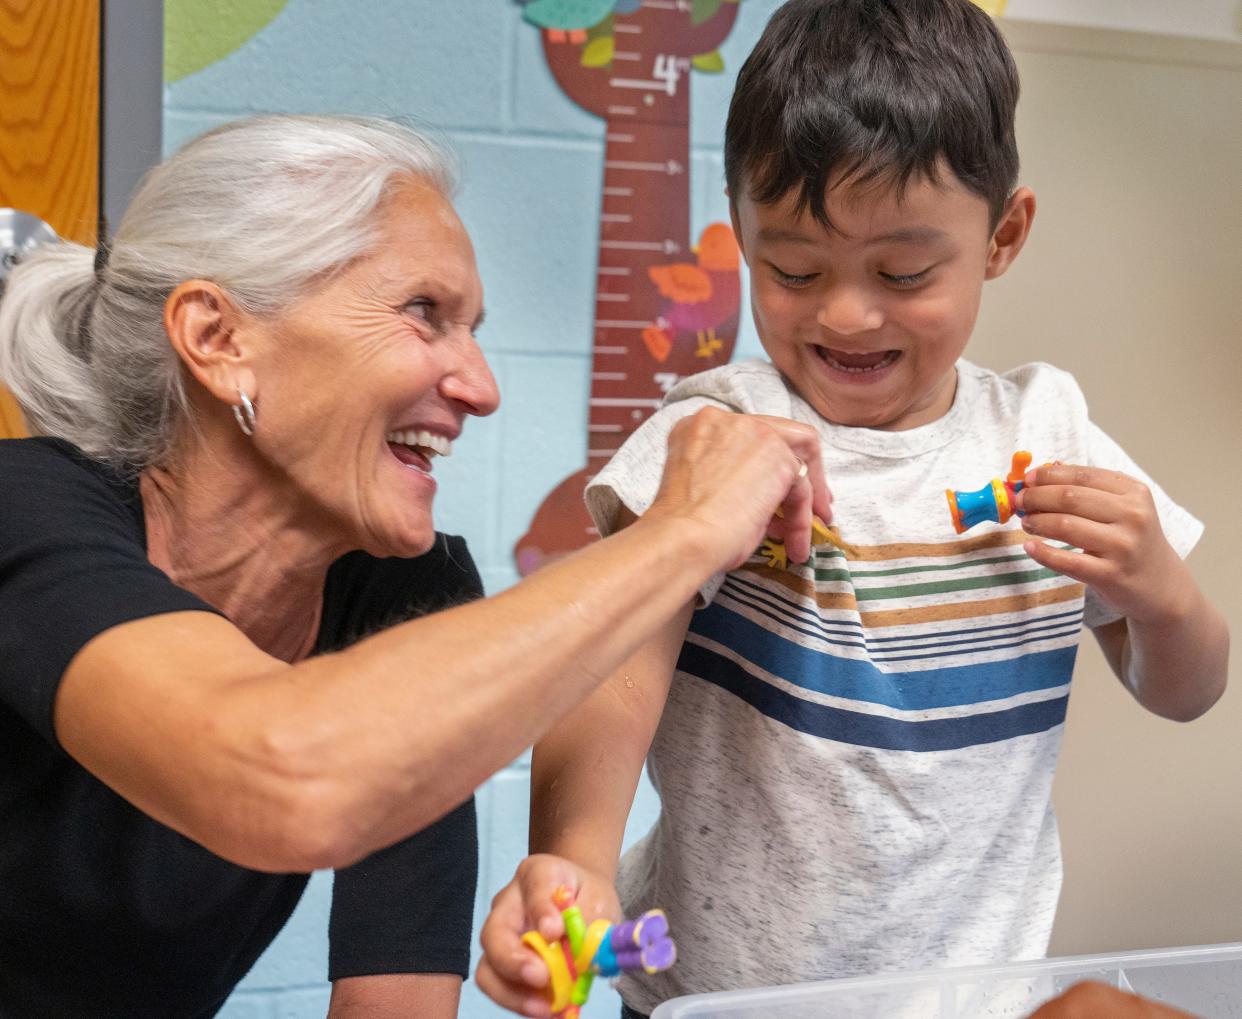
point(514, 997)
point(501, 939)
point(539, 878)
point(1089, 535)
point(1074, 500)
point(1085, 477)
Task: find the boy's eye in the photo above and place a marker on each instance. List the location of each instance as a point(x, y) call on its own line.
point(912, 279)
point(789, 279)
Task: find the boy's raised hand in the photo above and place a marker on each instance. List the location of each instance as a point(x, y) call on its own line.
point(1112, 517)
point(510, 973)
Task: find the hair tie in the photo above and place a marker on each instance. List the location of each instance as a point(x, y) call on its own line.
point(101, 255)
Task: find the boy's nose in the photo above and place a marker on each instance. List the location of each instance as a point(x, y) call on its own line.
point(846, 311)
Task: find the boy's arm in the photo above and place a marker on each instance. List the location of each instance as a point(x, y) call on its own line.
point(584, 773)
point(1172, 648)
point(1175, 668)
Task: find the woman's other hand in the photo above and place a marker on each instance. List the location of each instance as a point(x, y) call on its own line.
point(509, 972)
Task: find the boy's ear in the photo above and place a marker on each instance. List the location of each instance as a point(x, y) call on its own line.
point(202, 326)
point(1011, 232)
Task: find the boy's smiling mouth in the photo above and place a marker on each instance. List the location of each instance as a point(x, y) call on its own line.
point(852, 363)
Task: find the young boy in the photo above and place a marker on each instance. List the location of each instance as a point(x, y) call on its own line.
point(855, 756)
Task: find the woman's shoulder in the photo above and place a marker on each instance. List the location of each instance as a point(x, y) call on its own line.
point(44, 455)
point(365, 593)
point(51, 477)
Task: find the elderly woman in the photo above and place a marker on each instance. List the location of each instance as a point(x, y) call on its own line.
point(219, 663)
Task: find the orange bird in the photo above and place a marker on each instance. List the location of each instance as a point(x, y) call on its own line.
point(701, 296)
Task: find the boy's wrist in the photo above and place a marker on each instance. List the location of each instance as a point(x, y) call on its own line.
point(581, 848)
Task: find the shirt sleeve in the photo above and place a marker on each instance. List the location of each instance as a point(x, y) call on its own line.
point(73, 564)
point(632, 477)
point(1181, 528)
point(408, 908)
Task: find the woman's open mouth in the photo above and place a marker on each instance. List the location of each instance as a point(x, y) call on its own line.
point(858, 364)
point(417, 448)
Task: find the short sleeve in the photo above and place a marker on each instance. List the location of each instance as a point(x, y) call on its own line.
point(632, 477)
point(408, 908)
point(73, 564)
point(1181, 528)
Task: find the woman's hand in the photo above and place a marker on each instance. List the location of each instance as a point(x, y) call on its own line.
point(729, 473)
point(509, 972)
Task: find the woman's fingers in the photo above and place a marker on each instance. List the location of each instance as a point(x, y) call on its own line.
point(803, 441)
point(730, 473)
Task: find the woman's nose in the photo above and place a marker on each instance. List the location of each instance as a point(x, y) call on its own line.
point(469, 381)
point(846, 310)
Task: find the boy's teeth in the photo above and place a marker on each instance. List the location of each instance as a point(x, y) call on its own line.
point(858, 364)
point(426, 442)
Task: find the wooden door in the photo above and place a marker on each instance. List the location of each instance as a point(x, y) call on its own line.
point(49, 123)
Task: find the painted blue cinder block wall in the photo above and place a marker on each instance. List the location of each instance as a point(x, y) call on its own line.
point(533, 165)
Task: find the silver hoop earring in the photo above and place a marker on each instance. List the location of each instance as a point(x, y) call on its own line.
point(245, 414)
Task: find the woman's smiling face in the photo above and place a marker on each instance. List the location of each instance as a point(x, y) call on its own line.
point(363, 383)
point(867, 319)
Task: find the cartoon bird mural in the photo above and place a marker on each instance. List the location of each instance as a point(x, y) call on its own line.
point(568, 20)
point(703, 296)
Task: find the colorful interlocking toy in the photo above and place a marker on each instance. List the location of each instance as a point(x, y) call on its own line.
point(994, 501)
point(600, 948)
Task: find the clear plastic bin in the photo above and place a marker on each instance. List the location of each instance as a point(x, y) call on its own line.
point(1205, 981)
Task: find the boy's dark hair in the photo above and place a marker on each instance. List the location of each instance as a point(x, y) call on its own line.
point(873, 91)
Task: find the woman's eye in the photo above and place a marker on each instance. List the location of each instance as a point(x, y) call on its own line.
point(419, 307)
point(789, 279)
point(898, 279)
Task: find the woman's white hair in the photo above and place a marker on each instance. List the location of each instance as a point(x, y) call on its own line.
point(263, 207)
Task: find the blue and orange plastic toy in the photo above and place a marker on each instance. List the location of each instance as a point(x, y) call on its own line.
point(601, 948)
point(994, 501)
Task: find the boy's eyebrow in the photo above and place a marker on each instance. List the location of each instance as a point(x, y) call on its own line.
point(909, 235)
point(778, 235)
point(906, 235)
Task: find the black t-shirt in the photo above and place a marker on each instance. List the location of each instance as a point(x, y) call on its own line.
point(106, 912)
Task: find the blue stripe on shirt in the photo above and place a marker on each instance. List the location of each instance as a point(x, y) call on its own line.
point(860, 729)
point(860, 680)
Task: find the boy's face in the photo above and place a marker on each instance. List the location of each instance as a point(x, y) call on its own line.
point(867, 321)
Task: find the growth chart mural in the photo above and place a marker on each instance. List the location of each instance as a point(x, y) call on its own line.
point(666, 304)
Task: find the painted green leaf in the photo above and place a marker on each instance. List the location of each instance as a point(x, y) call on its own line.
point(197, 34)
point(712, 63)
point(598, 52)
point(703, 10)
point(603, 28)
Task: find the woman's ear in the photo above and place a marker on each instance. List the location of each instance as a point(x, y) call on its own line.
point(203, 328)
point(1011, 232)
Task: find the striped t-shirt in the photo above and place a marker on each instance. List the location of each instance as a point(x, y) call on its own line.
point(855, 762)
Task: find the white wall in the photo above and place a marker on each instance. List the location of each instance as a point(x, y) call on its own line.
point(1216, 19)
point(1131, 281)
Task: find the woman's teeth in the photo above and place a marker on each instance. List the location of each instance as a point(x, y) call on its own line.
point(427, 443)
